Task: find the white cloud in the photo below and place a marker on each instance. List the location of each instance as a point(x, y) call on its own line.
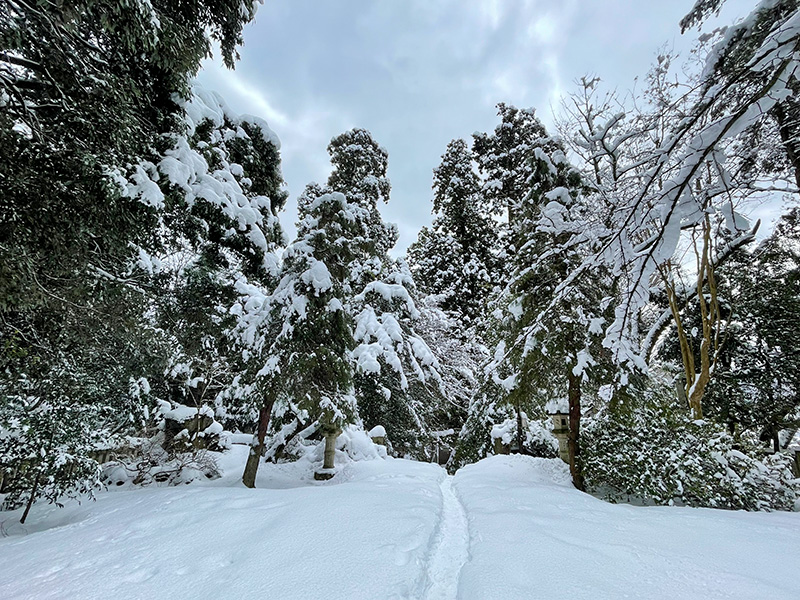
point(418, 73)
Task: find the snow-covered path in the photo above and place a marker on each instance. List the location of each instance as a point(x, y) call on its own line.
point(451, 550)
point(509, 527)
point(535, 536)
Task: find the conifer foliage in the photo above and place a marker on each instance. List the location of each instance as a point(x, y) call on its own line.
point(338, 337)
point(455, 259)
point(90, 92)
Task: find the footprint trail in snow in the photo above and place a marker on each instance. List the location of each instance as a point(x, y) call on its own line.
point(451, 550)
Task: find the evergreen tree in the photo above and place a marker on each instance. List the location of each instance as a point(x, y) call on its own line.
point(547, 342)
point(223, 190)
point(455, 260)
point(504, 159)
point(73, 111)
point(307, 374)
point(393, 371)
point(88, 88)
point(397, 381)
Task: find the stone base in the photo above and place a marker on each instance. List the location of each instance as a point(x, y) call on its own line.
point(324, 474)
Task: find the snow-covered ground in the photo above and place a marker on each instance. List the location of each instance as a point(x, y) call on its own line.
point(507, 527)
point(534, 536)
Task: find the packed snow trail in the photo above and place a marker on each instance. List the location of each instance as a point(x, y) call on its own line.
point(451, 550)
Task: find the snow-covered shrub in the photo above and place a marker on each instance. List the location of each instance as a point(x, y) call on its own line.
point(152, 465)
point(49, 438)
point(659, 457)
point(539, 440)
point(177, 447)
point(487, 421)
point(187, 428)
point(357, 445)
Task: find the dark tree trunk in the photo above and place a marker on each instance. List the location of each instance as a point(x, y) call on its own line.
point(34, 489)
point(520, 438)
point(256, 451)
point(574, 393)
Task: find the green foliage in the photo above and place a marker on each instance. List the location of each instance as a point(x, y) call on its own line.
point(657, 455)
point(307, 372)
point(756, 387)
point(219, 231)
point(454, 259)
point(88, 89)
point(504, 158)
point(474, 439)
point(63, 398)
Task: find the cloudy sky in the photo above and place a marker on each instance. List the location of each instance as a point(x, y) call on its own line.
point(418, 73)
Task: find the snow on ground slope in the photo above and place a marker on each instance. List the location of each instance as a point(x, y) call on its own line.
point(507, 527)
point(367, 537)
point(534, 536)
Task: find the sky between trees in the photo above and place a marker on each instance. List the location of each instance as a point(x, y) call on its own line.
point(418, 74)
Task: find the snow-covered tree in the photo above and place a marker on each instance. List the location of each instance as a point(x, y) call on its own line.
point(307, 373)
point(223, 190)
point(671, 181)
point(87, 93)
point(455, 259)
point(397, 380)
point(547, 341)
point(394, 373)
point(504, 159)
point(687, 178)
point(755, 384)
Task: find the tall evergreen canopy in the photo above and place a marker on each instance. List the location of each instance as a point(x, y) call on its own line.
point(455, 259)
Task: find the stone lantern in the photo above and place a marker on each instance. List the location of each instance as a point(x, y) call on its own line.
point(330, 432)
point(378, 435)
point(561, 431)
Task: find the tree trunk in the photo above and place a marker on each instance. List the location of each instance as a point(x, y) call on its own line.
point(520, 445)
point(574, 393)
point(34, 489)
point(257, 450)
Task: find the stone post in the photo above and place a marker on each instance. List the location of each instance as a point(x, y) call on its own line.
point(330, 447)
point(330, 433)
point(561, 431)
point(500, 447)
